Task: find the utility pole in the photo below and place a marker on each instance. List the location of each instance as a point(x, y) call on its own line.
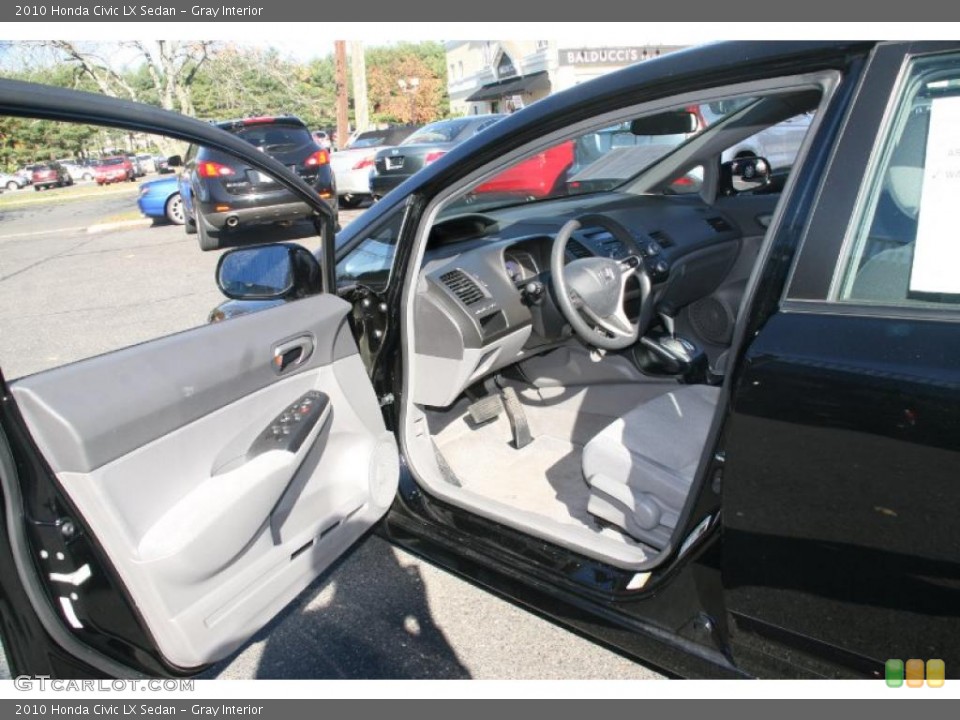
point(409, 86)
point(359, 66)
point(343, 119)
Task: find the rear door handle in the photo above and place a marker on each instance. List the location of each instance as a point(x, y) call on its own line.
point(292, 354)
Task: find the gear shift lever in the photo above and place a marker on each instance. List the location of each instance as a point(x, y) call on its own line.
point(668, 325)
point(665, 353)
point(679, 349)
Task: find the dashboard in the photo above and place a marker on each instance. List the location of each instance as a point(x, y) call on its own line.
point(485, 297)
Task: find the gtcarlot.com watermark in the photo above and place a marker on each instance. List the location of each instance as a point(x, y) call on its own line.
point(45, 682)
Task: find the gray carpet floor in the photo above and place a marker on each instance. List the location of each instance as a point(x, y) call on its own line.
point(545, 477)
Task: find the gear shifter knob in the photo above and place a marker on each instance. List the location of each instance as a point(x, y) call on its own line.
point(533, 292)
point(680, 348)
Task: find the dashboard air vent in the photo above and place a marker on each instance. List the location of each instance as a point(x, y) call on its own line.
point(463, 286)
point(578, 249)
point(719, 224)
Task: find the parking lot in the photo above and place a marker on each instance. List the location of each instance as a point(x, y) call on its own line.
point(85, 276)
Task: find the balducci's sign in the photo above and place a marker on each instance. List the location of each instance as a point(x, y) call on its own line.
point(604, 56)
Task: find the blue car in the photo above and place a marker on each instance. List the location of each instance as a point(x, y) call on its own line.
point(160, 199)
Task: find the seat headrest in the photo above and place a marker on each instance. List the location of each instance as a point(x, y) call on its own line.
point(904, 179)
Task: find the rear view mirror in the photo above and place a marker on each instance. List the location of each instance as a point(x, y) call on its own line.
point(175, 161)
point(268, 272)
point(677, 122)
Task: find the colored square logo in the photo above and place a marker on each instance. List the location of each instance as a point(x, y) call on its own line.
point(914, 673)
point(893, 671)
point(936, 673)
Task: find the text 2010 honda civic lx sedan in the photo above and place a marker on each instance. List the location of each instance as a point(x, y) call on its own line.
point(718, 419)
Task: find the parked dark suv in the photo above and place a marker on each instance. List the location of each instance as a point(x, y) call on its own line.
point(49, 175)
point(221, 194)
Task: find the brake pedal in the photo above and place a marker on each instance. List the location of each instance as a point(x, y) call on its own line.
point(485, 409)
point(517, 417)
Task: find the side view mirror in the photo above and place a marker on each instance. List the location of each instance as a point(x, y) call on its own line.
point(175, 161)
point(745, 173)
point(268, 272)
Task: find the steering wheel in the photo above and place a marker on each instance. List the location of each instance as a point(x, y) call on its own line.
point(591, 291)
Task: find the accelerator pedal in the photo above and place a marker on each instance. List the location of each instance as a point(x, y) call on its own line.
point(517, 417)
point(485, 409)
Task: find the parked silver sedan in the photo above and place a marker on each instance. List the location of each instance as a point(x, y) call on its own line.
point(353, 164)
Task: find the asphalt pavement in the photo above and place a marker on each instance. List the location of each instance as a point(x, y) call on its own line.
point(67, 294)
point(38, 213)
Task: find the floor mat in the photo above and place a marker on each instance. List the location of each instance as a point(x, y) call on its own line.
point(545, 477)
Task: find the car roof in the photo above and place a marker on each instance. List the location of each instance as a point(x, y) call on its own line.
point(260, 120)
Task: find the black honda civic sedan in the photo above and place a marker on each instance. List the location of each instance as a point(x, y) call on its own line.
point(716, 399)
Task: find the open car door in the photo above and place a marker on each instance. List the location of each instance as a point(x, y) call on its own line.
point(165, 500)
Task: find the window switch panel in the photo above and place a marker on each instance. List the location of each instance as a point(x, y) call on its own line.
point(291, 427)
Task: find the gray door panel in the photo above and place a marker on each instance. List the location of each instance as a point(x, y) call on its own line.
point(83, 415)
point(153, 446)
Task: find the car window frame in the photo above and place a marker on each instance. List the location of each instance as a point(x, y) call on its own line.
point(855, 239)
point(355, 243)
point(820, 260)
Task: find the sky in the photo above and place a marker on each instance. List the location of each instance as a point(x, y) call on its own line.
point(277, 35)
point(320, 42)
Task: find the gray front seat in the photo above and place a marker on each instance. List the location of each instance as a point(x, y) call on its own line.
point(640, 467)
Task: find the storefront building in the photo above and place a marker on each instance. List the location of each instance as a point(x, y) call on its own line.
point(486, 76)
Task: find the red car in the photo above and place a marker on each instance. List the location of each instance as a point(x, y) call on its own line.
point(537, 177)
point(114, 169)
point(50, 174)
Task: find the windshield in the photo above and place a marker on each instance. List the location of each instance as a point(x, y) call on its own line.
point(443, 131)
point(113, 161)
point(608, 158)
point(613, 157)
point(368, 140)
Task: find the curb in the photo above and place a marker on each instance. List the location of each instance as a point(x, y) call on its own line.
point(102, 227)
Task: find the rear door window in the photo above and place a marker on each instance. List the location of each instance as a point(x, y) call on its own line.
point(275, 138)
point(903, 248)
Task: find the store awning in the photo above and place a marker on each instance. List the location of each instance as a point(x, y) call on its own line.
point(522, 85)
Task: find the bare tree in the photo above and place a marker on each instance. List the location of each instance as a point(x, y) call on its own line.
point(93, 63)
point(172, 66)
